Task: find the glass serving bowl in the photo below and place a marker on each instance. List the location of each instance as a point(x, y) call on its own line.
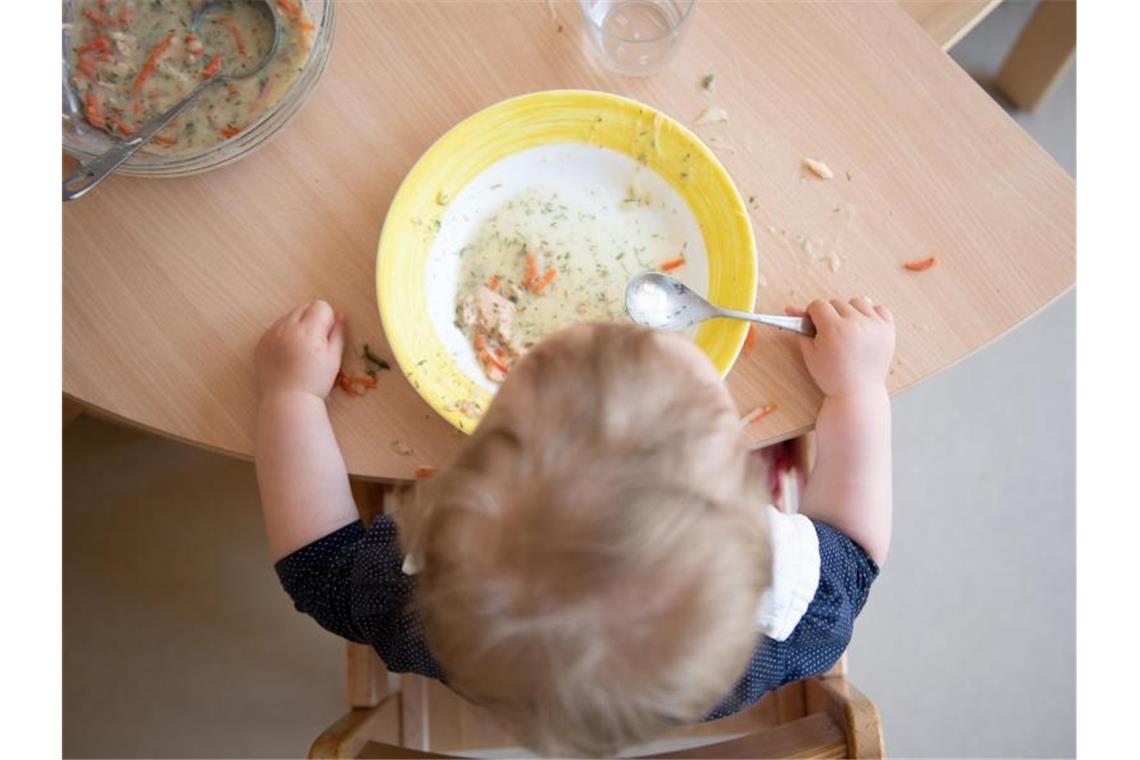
point(85, 142)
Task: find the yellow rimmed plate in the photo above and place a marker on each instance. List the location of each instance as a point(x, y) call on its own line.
point(431, 204)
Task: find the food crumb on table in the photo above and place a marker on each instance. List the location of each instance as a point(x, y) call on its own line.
point(354, 385)
point(921, 265)
point(818, 168)
point(712, 115)
point(373, 362)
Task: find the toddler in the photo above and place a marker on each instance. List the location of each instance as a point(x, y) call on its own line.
point(598, 563)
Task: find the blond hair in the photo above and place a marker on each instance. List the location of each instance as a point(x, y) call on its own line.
point(593, 557)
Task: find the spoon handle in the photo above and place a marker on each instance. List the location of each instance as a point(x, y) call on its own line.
point(84, 180)
point(801, 325)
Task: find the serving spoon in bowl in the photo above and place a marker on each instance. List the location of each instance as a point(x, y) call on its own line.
point(89, 176)
point(665, 303)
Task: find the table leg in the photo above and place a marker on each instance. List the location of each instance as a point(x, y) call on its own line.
point(1041, 54)
point(72, 410)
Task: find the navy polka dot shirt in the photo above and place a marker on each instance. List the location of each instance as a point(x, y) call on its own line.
point(352, 583)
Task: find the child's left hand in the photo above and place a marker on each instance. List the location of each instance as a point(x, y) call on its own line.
point(301, 352)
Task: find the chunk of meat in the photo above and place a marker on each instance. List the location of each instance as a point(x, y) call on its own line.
point(485, 312)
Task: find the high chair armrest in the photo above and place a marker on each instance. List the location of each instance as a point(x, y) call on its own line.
point(359, 726)
point(851, 710)
point(812, 736)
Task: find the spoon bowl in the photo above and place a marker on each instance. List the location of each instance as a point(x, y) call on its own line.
point(665, 303)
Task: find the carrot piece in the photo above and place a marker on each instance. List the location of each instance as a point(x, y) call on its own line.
point(86, 67)
point(672, 264)
point(531, 270)
point(212, 67)
point(423, 472)
point(152, 62)
point(228, 132)
point(488, 358)
point(99, 44)
point(543, 282)
point(306, 26)
point(102, 19)
point(480, 342)
point(356, 385)
point(239, 41)
point(118, 125)
point(493, 283)
point(94, 110)
point(757, 414)
point(164, 140)
point(750, 339)
point(103, 4)
point(921, 266)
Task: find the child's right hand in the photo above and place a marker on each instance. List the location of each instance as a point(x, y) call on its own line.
point(301, 352)
point(852, 348)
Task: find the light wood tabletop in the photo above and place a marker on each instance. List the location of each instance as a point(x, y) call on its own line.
point(167, 284)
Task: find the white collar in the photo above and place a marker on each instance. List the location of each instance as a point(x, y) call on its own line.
point(795, 574)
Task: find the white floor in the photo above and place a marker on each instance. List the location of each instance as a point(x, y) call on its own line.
point(968, 642)
point(178, 641)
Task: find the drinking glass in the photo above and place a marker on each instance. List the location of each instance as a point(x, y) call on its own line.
point(636, 37)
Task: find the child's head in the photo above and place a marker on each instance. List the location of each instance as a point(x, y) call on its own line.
point(593, 558)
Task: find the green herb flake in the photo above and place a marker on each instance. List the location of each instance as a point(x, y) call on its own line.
point(377, 361)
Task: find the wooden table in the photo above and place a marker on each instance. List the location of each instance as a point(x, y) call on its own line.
point(169, 283)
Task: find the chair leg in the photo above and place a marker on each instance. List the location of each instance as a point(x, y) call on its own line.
point(1041, 54)
point(368, 680)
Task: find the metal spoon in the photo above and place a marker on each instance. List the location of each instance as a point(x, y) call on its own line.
point(89, 176)
point(664, 303)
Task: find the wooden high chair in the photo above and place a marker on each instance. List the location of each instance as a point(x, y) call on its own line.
point(410, 716)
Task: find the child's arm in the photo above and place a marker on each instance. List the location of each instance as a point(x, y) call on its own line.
point(850, 485)
point(300, 472)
